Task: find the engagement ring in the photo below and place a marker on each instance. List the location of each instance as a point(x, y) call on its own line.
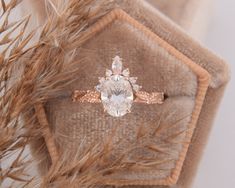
point(117, 91)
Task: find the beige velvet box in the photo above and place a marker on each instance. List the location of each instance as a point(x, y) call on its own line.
point(164, 71)
point(168, 60)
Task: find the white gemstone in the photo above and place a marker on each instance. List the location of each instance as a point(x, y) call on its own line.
point(116, 96)
point(136, 87)
point(126, 72)
point(98, 87)
point(108, 73)
point(117, 65)
point(101, 79)
point(133, 80)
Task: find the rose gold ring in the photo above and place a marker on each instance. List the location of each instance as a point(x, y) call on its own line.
point(117, 91)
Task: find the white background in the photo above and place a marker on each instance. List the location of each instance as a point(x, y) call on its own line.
point(217, 168)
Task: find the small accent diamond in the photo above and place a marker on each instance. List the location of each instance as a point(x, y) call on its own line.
point(117, 65)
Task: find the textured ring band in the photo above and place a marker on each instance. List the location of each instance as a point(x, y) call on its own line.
point(139, 97)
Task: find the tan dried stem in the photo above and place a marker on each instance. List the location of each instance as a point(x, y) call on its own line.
point(46, 132)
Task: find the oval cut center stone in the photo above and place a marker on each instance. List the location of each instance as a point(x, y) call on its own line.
point(116, 96)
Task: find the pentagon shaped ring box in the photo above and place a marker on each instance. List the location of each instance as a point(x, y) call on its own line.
point(111, 94)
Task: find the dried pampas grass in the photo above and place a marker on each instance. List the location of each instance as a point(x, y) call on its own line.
point(32, 74)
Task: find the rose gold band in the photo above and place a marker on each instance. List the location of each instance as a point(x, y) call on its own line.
point(140, 97)
point(86, 96)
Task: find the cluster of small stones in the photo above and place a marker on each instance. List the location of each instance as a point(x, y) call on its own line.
point(117, 89)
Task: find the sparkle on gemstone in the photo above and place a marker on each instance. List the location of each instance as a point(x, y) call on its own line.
point(117, 89)
point(117, 97)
